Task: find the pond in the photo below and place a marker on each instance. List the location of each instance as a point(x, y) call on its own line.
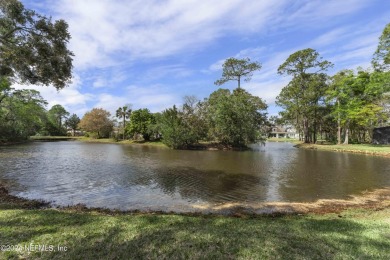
point(130, 177)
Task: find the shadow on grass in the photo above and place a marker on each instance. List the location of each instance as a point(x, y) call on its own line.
point(96, 236)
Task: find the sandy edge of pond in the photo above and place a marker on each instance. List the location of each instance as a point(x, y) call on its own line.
point(375, 200)
point(378, 199)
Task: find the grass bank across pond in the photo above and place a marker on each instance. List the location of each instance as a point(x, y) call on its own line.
point(382, 150)
point(94, 140)
point(41, 233)
point(54, 138)
point(129, 142)
point(288, 140)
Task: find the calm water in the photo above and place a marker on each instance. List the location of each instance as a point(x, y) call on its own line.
point(137, 177)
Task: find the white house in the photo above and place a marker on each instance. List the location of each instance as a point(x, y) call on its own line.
point(280, 131)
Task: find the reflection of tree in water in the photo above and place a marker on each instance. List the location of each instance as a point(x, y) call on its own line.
point(210, 186)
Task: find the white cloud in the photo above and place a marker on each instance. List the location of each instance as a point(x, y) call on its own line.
point(110, 102)
point(70, 97)
point(330, 37)
point(253, 53)
point(115, 36)
point(99, 83)
point(154, 97)
point(107, 33)
point(216, 66)
point(173, 71)
point(312, 13)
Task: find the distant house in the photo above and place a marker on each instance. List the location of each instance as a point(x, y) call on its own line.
point(280, 131)
point(69, 132)
point(381, 135)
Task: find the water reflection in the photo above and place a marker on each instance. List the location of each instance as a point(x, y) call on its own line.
point(139, 177)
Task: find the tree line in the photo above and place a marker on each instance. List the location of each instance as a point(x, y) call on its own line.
point(23, 113)
point(346, 105)
point(341, 108)
point(231, 118)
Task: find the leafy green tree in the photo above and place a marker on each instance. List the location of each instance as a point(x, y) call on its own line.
point(97, 121)
point(306, 87)
point(235, 118)
point(356, 108)
point(235, 69)
point(124, 113)
point(141, 121)
point(72, 122)
point(56, 115)
point(381, 59)
point(194, 115)
point(380, 83)
point(381, 76)
point(339, 92)
point(155, 129)
point(302, 108)
point(175, 132)
point(22, 112)
point(33, 48)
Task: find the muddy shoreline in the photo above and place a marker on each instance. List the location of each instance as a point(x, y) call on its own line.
point(374, 200)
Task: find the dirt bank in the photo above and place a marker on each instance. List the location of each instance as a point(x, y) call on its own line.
point(375, 200)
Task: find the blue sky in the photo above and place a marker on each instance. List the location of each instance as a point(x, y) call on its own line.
point(151, 53)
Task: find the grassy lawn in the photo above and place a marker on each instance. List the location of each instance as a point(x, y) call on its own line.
point(131, 142)
point(356, 234)
point(82, 234)
point(290, 140)
point(38, 138)
point(94, 140)
point(357, 148)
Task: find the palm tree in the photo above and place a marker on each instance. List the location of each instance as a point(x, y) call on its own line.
point(123, 112)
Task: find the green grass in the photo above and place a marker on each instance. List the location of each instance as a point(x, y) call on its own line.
point(356, 233)
point(289, 140)
point(357, 148)
point(48, 138)
point(129, 142)
point(89, 235)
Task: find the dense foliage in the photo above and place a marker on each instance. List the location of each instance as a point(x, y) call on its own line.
point(32, 47)
point(123, 113)
point(22, 112)
point(57, 115)
point(235, 118)
point(98, 122)
point(231, 118)
point(175, 130)
point(141, 122)
point(73, 122)
point(381, 59)
point(300, 98)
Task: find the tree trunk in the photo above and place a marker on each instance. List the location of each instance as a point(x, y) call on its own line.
point(124, 124)
point(315, 127)
point(338, 125)
point(338, 133)
point(306, 130)
point(239, 81)
point(346, 135)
